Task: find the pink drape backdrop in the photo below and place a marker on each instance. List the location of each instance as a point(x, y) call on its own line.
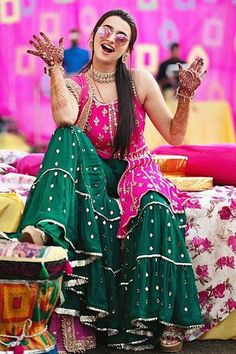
point(203, 27)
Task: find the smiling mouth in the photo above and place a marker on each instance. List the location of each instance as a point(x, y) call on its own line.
point(107, 48)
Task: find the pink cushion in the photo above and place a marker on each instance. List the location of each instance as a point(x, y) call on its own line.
point(30, 164)
point(217, 161)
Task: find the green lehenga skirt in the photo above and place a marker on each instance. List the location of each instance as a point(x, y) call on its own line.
point(127, 288)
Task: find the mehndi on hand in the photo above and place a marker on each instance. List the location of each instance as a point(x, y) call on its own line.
point(47, 50)
point(190, 79)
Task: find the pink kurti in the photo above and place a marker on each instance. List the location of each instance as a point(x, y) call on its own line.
point(142, 173)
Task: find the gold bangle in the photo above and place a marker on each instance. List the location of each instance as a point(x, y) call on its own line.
point(48, 69)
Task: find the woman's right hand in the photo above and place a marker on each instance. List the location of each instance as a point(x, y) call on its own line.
point(47, 50)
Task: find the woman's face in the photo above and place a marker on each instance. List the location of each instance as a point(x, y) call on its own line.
point(111, 40)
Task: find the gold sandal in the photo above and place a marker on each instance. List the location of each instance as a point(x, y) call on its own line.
point(171, 340)
point(34, 235)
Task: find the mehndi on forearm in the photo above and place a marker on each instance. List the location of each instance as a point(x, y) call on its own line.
point(64, 101)
point(189, 80)
point(179, 123)
point(60, 99)
point(63, 111)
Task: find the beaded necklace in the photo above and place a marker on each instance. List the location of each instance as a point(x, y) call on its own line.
point(101, 77)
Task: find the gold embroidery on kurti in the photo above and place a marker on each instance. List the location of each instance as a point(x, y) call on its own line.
point(70, 342)
point(74, 88)
point(86, 111)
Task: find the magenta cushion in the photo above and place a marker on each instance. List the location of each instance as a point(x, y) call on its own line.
point(215, 160)
point(30, 164)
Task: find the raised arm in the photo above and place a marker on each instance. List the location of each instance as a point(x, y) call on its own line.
point(64, 98)
point(172, 128)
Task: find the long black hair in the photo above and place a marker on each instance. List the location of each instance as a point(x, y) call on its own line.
point(126, 121)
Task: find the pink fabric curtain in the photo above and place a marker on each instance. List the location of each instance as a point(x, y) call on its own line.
point(205, 27)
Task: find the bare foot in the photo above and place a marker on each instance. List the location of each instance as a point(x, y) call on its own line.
point(171, 340)
point(34, 235)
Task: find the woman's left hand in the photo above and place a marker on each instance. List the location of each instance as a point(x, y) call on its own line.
point(190, 79)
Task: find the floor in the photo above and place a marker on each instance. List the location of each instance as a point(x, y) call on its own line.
point(196, 347)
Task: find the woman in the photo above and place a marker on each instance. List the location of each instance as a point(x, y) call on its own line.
point(100, 195)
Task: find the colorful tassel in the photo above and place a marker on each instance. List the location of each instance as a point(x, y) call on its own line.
point(18, 349)
point(43, 273)
point(68, 268)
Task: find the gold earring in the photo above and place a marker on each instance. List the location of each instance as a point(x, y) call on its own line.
point(124, 58)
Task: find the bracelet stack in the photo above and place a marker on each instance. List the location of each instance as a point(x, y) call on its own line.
point(48, 69)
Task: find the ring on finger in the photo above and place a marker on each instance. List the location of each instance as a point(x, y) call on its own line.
point(191, 71)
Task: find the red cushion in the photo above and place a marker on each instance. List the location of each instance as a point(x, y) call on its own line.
point(217, 161)
point(30, 164)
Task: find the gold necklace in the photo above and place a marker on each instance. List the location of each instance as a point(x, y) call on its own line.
point(101, 77)
point(98, 91)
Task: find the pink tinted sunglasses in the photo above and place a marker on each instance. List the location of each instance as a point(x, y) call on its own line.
point(105, 32)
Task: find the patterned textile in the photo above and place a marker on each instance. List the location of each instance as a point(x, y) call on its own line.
point(70, 334)
point(30, 285)
point(18, 183)
point(11, 157)
point(29, 261)
point(99, 121)
point(17, 251)
point(197, 210)
point(25, 308)
point(73, 200)
point(5, 168)
point(211, 242)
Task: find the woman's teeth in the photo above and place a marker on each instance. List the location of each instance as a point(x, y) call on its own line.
point(107, 48)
